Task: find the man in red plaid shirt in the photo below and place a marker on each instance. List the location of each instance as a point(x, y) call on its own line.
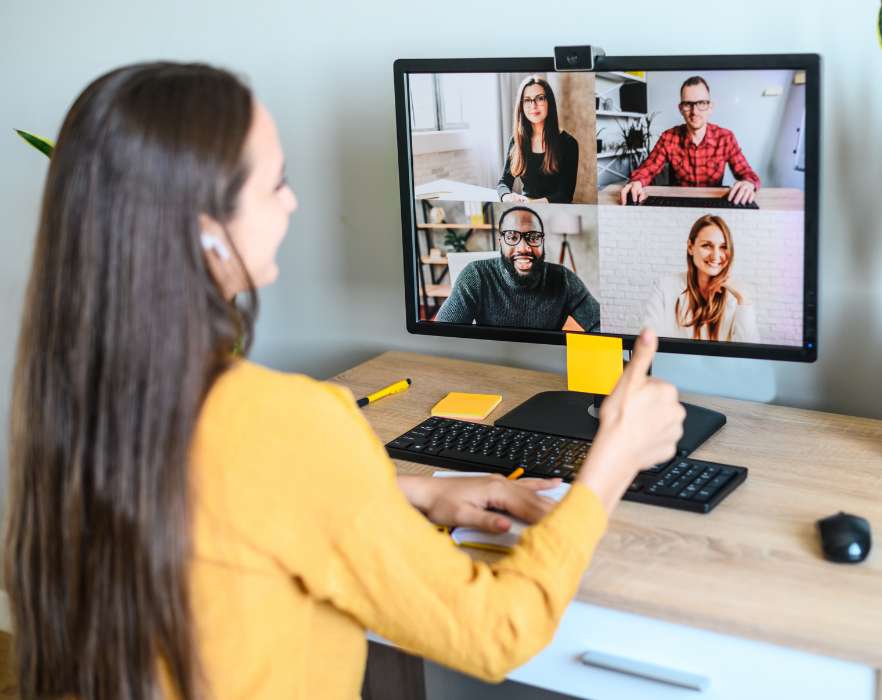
point(698, 151)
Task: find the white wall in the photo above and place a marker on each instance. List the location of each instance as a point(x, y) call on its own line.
point(738, 105)
point(325, 71)
point(782, 169)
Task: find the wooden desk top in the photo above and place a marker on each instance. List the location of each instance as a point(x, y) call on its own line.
point(753, 566)
point(771, 198)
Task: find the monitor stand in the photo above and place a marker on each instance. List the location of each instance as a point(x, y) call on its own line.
point(573, 414)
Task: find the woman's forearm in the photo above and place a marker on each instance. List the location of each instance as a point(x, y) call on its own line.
point(418, 490)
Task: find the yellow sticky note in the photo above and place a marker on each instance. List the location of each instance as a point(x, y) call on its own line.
point(466, 406)
point(594, 363)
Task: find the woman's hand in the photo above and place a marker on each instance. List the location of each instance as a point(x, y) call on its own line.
point(513, 197)
point(740, 297)
point(640, 424)
point(467, 501)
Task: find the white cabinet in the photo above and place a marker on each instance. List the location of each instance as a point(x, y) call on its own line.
point(735, 668)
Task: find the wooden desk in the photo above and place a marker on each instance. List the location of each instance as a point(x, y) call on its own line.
point(753, 567)
point(771, 198)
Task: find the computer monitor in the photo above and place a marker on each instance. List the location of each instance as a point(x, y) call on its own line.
point(678, 192)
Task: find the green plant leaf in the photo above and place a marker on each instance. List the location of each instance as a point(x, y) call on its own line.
point(45, 146)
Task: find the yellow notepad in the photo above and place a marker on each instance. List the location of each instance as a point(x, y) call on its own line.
point(497, 542)
point(594, 363)
point(466, 406)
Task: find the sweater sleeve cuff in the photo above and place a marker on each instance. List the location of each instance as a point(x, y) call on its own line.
point(562, 544)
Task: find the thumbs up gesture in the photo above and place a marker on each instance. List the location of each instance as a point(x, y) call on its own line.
point(640, 424)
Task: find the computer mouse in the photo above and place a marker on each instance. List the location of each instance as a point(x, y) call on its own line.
point(845, 538)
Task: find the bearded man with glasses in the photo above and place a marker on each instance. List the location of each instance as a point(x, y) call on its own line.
point(519, 289)
point(697, 151)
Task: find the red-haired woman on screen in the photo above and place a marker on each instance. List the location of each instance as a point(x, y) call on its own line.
point(703, 303)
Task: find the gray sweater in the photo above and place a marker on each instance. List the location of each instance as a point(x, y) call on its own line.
point(485, 293)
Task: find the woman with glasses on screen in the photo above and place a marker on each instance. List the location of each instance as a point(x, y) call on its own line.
point(545, 158)
point(186, 523)
point(703, 303)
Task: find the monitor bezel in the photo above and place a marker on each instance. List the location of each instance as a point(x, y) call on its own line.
point(809, 62)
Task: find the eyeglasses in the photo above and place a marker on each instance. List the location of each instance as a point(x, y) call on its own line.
point(534, 239)
point(539, 100)
point(700, 105)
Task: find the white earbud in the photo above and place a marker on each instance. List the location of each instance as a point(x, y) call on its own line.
point(210, 242)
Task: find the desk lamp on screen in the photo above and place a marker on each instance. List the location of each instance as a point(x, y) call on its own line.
point(692, 181)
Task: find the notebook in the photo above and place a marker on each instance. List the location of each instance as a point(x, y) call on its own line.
point(466, 406)
point(496, 542)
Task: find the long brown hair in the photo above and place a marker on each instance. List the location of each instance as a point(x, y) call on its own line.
point(707, 310)
point(523, 131)
point(124, 332)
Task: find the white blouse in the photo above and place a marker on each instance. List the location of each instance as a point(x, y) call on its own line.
point(738, 324)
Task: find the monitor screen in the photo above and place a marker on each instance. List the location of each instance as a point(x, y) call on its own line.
point(678, 193)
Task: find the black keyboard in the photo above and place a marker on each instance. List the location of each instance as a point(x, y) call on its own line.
point(683, 483)
point(707, 202)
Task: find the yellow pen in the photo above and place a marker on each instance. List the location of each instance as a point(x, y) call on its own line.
point(403, 385)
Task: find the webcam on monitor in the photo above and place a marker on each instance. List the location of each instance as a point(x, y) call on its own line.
point(576, 57)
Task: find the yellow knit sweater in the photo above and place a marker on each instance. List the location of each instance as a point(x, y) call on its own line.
point(303, 541)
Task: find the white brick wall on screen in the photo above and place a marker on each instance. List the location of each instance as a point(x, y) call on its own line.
point(640, 244)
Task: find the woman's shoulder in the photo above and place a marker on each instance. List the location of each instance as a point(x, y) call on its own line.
point(254, 393)
point(245, 375)
point(672, 282)
point(740, 292)
point(567, 139)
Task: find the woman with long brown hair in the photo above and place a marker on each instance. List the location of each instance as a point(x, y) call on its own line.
point(187, 523)
point(545, 158)
point(703, 303)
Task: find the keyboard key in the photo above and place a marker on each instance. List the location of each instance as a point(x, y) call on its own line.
point(488, 460)
point(718, 482)
point(671, 490)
